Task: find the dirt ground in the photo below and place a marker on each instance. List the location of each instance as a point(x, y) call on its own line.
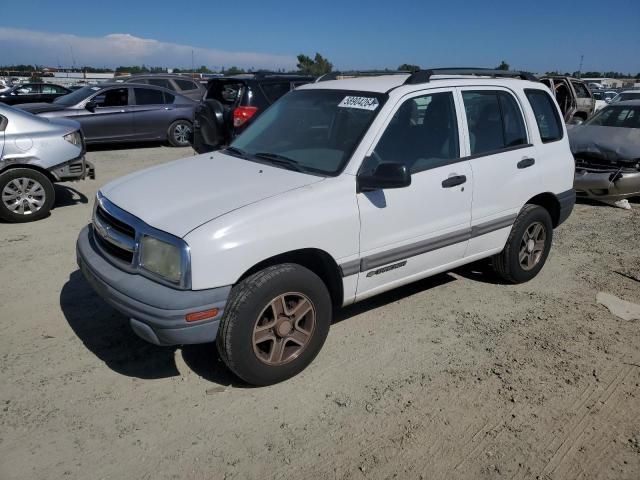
point(454, 377)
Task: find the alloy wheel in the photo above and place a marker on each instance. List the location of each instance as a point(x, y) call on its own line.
point(284, 328)
point(532, 246)
point(23, 196)
point(181, 133)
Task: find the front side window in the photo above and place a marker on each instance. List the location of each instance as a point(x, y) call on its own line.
point(148, 96)
point(117, 97)
point(617, 116)
point(546, 115)
point(623, 97)
point(314, 131)
point(495, 121)
point(28, 89)
point(55, 89)
point(422, 134)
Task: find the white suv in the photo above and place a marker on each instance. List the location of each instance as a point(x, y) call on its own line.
point(343, 189)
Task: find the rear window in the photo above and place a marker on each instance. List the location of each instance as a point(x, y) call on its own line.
point(546, 115)
point(226, 92)
point(186, 85)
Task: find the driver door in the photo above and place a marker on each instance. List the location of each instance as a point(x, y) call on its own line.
point(407, 233)
point(112, 118)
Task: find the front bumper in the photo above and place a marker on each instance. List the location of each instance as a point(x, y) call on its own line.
point(74, 170)
point(607, 184)
point(156, 312)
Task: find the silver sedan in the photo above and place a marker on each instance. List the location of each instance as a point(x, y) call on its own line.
point(35, 153)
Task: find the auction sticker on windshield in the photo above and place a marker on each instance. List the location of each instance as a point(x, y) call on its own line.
point(363, 103)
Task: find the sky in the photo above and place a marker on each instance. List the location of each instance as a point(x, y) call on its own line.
point(538, 35)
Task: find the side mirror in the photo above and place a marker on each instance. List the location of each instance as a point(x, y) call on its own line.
point(91, 106)
point(608, 100)
point(385, 175)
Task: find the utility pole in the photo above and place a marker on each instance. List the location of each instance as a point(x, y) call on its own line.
point(191, 60)
point(580, 67)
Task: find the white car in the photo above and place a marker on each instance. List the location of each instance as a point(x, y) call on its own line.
point(626, 95)
point(342, 190)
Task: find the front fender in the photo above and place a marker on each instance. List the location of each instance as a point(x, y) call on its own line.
point(323, 216)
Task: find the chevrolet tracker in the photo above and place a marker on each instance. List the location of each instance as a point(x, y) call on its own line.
point(341, 190)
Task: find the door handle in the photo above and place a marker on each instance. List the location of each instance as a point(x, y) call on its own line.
point(526, 162)
point(454, 181)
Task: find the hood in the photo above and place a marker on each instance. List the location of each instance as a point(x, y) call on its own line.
point(605, 143)
point(179, 196)
point(40, 107)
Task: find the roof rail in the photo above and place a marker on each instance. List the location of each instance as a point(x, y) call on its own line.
point(424, 76)
point(359, 73)
point(262, 74)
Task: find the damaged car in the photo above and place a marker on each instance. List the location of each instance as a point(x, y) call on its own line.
point(574, 98)
point(606, 149)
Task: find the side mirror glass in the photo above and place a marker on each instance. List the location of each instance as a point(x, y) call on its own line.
point(91, 105)
point(385, 175)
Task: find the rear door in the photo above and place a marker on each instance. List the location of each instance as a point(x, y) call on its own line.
point(151, 112)
point(112, 119)
point(584, 100)
point(503, 160)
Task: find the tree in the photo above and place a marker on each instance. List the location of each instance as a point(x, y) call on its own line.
point(316, 66)
point(233, 71)
point(409, 67)
point(503, 66)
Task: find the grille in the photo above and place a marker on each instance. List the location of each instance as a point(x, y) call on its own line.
point(76, 167)
point(116, 238)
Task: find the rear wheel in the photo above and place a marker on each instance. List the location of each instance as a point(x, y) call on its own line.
point(275, 323)
point(527, 247)
point(180, 132)
point(25, 195)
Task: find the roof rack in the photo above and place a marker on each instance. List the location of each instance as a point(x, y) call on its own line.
point(359, 73)
point(424, 76)
point(262, 74)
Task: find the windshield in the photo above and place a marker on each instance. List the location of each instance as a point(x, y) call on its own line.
point(76, 96)
point(315, 131)
point(626, 116)
point(621, 97)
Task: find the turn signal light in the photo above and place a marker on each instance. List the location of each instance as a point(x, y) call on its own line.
point(196, 316)
point(242, 114)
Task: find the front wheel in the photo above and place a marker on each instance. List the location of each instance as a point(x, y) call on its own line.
point(180, 133)
point(275, 323)
point(26, 195)
point(527, 247)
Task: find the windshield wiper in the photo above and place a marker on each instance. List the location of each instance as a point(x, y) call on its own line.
point(280, 160)
point(237, 151)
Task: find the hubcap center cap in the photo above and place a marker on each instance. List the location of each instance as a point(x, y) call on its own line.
point(284, 327)
point(530, 245)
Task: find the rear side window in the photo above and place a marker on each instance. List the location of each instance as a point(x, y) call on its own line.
point(186, 85)
point(274, 91)
point(148, 96)
point(581, 90)
point(161, 82)
point(546, 115)
point(495, 121)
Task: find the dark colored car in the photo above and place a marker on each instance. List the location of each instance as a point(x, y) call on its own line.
point(124, 113)
point(177, 83)
point(33, 92)
point(232, 103)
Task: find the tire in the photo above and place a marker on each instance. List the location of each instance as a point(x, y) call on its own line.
point(250, 331)
point(180, 133)
point(521, 260)
point(26, 195)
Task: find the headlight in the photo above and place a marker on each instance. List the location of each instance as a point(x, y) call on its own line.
point(161, 258)
point(74, 137)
